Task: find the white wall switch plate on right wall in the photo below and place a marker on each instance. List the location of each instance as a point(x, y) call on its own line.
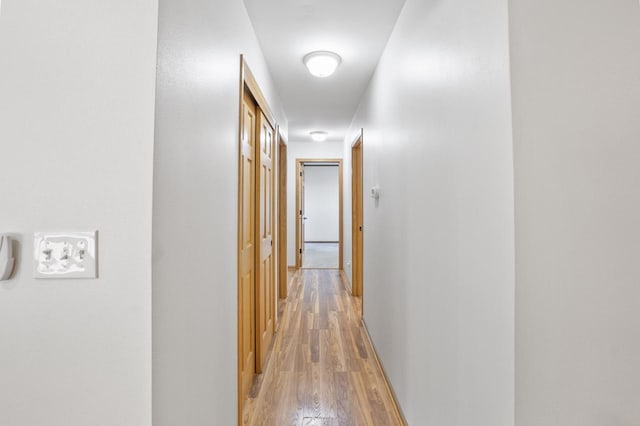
point(65, 255)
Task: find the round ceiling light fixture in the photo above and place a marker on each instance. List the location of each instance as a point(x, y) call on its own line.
point(322, 64)
point(319, 136)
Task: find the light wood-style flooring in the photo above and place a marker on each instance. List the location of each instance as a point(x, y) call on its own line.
point(322, 369)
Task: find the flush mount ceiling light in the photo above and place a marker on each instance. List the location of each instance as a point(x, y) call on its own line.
point(321, 63)
point(319, 136)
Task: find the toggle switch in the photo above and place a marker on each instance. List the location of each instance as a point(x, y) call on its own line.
point(375, 193)
point(65, 255)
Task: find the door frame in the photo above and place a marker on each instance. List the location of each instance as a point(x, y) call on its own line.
point(357, 217)
point(281, 242)
point(248, 84)
point(300, 162)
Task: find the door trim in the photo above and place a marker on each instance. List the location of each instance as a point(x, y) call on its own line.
point(299, 164)
point(248, 82)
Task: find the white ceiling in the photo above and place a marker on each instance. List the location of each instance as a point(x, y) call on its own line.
point(357, 30)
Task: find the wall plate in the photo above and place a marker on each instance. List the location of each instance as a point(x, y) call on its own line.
point(65, 255)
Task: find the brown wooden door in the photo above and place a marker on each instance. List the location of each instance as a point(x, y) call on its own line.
point(247, 242)
point(303, 217)
point(299, 214)
point(265, 291)
point(357, 218)
point(283, 278)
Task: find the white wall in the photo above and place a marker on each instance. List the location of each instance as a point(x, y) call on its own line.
point(321, 205)
point(303, 150)
point(576, 99)
point(195, 208)
point(439, 246)
point(76, 146)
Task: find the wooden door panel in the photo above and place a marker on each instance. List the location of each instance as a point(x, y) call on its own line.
point(303, 215)
point(266, 259)
point(282, 221)
point(247, 242)
point(299, 214)
point(357, 219)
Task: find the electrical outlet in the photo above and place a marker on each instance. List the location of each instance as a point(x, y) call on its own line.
point(65, 255)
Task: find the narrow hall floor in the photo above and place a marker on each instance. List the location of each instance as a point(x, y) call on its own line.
point(322, 369)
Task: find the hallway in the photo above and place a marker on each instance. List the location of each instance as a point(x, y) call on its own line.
point(488, 212)
point(322, 369)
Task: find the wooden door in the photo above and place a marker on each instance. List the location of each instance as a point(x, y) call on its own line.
point(247, 251)
point(303, 217)
point(357, 218)
point(299, 214)
point(265, 292)
point(283, 278)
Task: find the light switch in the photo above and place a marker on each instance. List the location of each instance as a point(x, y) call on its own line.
point(65, 255)
point(375, 193)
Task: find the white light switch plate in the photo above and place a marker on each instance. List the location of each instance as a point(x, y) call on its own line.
point(65, 255)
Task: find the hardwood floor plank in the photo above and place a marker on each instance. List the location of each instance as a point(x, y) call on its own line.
point(346, 412)
point(314, 346)
point(313, 406)
point(363, 400)
point(359, 342)
point(334, 344)
point(321, 369)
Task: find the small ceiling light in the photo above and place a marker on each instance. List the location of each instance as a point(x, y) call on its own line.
point(322, 64)
point(319, 136)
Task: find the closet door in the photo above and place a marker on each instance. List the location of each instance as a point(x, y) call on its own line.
point(266, 287)
point(247, 250)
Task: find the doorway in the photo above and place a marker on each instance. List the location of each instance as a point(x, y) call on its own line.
point(319, 214)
